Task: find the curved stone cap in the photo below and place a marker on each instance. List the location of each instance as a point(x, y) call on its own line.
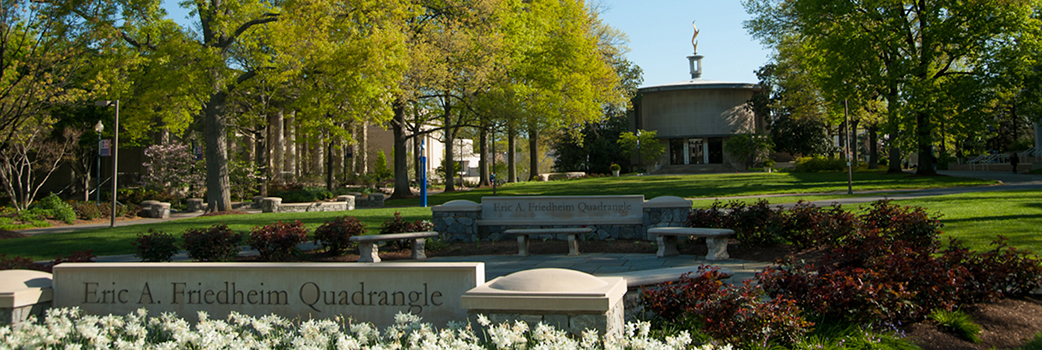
point(548, 280)
point(457, 205)
point(667, 202)
point(24, 287)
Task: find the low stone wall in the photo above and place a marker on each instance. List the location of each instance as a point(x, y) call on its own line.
point(462, 221)
point(343, 203)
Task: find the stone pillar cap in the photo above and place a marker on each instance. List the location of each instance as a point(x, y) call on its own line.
point(458, 205)
point(667, 202)
point(547, 280)
point(24, 287)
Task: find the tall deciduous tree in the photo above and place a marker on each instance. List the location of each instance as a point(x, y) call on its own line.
point(909, 52)
point(203, 68)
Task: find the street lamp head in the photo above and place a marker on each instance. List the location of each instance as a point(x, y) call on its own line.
point(99, 127)
point(102, 103)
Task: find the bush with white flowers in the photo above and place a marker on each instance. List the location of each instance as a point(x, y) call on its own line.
point(70, 329)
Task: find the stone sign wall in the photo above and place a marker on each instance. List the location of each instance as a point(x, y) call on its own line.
point(550, 210)
point(610, 217)
point(366, 292)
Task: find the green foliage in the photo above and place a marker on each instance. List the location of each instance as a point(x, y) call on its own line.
point(297, 194)
point(335, 235)
point(155, 246)
point(278, 241)
point(216, 243)
point(593, 150)
point(819, 164)
point(52, 206)
point(748, 148)
point(957, 322)
point(647, 144)
point(380, 168)
point(800, 137)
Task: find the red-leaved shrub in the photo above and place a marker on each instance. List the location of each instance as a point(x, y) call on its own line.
point(216, 243)
point(155, 246)
point(737, 314)
point(278, 241)
point(335, 235)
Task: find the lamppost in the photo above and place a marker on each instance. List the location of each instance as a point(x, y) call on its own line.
point(638, 152)
point(97, 182)
point(115, 156)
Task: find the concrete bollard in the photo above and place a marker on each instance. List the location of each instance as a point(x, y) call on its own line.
point(271, 204)
point(160, 211)
point(195, 205)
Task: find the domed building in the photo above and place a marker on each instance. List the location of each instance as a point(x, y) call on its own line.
point(694, 119)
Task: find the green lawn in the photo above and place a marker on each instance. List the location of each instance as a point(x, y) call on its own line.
point(709, 185)
point(118, 240)
point(1013, 210)
point(977, 218)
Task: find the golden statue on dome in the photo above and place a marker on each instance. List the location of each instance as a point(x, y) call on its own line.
point(694, 42)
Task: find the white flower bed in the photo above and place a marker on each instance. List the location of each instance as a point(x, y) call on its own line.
point(70, 329)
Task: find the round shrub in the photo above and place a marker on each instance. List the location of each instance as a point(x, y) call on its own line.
point(156, 246)
point(278, 241)
point(335, 235)
point(819, 164)
point(87, 210)
point(54, 207)
point(216, 243)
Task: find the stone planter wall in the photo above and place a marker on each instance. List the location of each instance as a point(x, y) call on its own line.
point(457, 220)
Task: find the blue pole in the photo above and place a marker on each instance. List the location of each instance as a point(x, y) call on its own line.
point(423, 175)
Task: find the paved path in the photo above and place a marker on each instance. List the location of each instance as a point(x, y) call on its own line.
point(604, 264)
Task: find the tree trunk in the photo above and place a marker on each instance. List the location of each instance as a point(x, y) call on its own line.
point(329, 166)
point(261, 151)
point(450, 164)
point(853, 143)
point(511, 147)
point(290, 165)
point(924, 141)
point(873, 147)
point(277, 145)
point(218, 187)
point(483, 162)
point(401, 155)
point(533, 153)
point(362, 156)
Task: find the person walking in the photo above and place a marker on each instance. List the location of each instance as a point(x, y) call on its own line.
point(1014, 160)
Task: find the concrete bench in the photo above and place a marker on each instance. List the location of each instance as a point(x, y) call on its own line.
point(522, 237)
point(716, 240)
point(367, 245)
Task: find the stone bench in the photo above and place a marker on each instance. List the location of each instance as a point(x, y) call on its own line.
point(367, 245)
point(523, 233)
point(716, 240)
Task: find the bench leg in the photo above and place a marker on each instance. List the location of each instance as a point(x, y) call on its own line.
point(369, 252)
point(573, 246)
point(418, 249)
point(717, 248)
point(522, 245)
point(667, 246)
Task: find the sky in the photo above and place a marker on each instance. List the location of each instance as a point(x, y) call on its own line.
point(660, 37)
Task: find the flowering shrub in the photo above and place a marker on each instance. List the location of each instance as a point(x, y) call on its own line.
point(398, 225)
point(70, 328)
point(742, 315)
point(172, 167)
point(335, 235)
point(278, 241)
point(217, 243)
point(156, 246)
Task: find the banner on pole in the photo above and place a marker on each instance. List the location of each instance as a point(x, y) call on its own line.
point(105, 148)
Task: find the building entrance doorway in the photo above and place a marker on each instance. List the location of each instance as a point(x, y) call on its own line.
point(696, 151)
